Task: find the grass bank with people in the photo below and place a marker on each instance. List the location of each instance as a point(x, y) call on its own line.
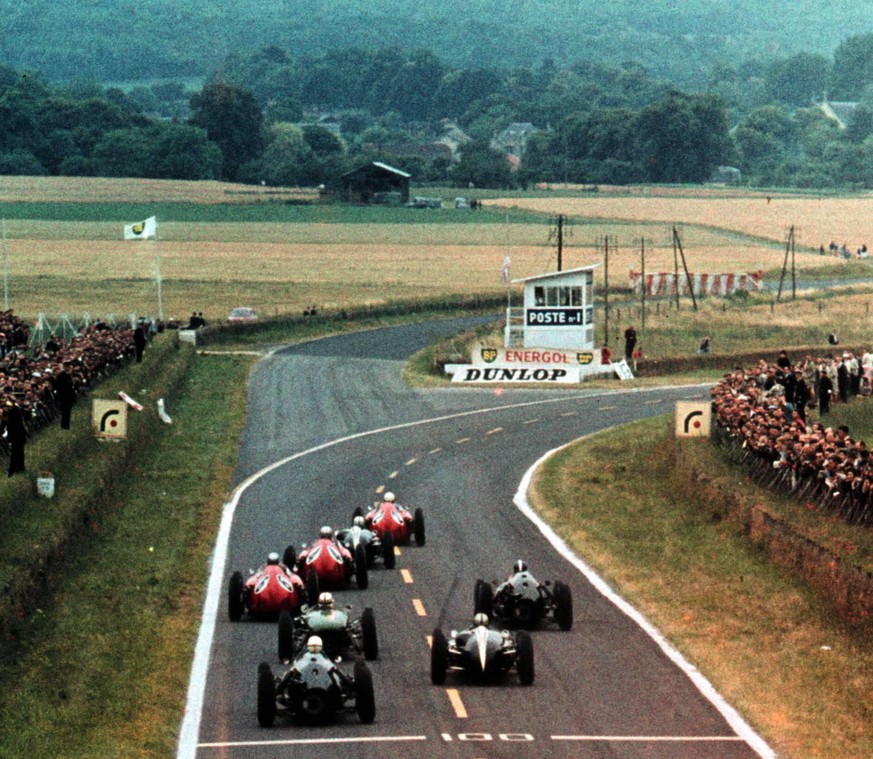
point(630, 502)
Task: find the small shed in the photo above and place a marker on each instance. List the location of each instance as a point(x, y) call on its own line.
point(363, 183)
point(558, 311)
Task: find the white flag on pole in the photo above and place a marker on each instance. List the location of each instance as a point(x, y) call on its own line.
point(142, 230)
point(505, 273)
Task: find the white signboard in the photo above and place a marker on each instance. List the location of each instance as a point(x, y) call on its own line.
point(472, 373)
point(693, 418)
point(109, 419)
point(623, 370)
point(548, 357)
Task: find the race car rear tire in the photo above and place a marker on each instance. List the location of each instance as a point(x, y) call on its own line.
point(563, 605)
point(524, 664)
point(365, 697)
point(362, 576)
point(369, 638)
point(286, 636)
point(418, 527)
point(315, 705)
point(388, 550)
point(289, 557)
point(483, 598)
point(312, 587)
point(266, 695)
point(439, 657)
point(235, 603)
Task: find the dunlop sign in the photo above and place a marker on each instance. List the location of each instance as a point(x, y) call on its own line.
point(693, 418)
point(109, 419)
point(472, 373)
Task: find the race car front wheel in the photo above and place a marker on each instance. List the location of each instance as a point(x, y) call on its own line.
point(365, 697)
point(525, 662)
point(439, 657)
point(286, 636)
point(266, 695)
point(368, 634)
point(563, 605)
point(235, 604)
point(418, 527)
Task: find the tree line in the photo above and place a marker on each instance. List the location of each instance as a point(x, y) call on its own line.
point(266, 116)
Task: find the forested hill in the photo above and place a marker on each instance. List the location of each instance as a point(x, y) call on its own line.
point(130, 40)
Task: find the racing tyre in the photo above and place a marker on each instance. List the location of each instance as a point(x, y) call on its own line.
point(365, 697)
point(388, 551)
point(315, 706)
point(235, 605)
point(524, 664)
point(418, 527)
point(289, 557)
point(362, 576)
point(439, 657)
point(286, 636)
point(312, 589)
point(368, 635)
point(483, 598)
point(266, 695)
point(563, 605)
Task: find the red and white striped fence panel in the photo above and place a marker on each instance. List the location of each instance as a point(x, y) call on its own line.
point(664, 283)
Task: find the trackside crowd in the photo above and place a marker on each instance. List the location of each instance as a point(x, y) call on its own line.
point(40, 384)
point(764, 409)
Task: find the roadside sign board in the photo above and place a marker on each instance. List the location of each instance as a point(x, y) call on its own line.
point(693, 418)
point(109, 419)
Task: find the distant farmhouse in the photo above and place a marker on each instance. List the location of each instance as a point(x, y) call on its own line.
point(839, 110)
point(375, 180)
point(513, 140)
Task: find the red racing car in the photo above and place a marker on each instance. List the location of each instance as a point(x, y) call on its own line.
point(327, 563)
point(269, 590)
point(390, 517)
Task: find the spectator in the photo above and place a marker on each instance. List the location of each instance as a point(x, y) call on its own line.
point(630, 341)
point(705, 345)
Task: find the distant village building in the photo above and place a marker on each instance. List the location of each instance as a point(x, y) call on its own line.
point(513, 139)
point(725, 175)
point(363, 184)
point(839, 111)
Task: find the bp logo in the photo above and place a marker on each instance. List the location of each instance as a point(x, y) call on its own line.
point(138, 229)
point(489, 355)
point(584, 358)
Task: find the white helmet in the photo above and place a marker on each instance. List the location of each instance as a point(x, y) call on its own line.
point(480, 620)
point(325, 599)
point(519, 566)
point(314, 645)
point(273, 558)
point(359, 521)
point(389, 496)
point(325, 532)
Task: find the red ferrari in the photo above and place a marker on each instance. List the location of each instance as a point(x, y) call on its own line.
point(390, 517)
point(328, 563)
point(269, 590)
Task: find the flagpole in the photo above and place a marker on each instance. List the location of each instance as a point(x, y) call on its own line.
point(5, 269)
point(158, 272)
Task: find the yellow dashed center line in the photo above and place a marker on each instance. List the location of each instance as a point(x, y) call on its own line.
point(380, 488)
point(434, 450)
point(531, 421)
point(608, 408)
point(393, 474)
point(462, 440)
point(457, 704)
point(406, 575)
point(570, 413)
point(419, 607)
point(429, 639)
point(397, 552)
point(410, 462)
point(494, 431)
point(651, 403)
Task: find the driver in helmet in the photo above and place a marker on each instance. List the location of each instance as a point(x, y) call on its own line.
point(520, 574)
point(311, 654)
point(389, 503)
point(479, 620)
point(274, 561)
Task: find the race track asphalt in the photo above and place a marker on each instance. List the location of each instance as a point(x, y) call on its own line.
point(604, 689)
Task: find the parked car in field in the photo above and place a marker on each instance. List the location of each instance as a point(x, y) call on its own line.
point(243, 315)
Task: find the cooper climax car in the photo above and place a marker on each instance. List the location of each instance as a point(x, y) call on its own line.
point(482, 653)
point(375, 546)
point(315, 689)
point(522, 601)
point(327, 563)
point(390, 517)
point(339, 631)
point(268, 591)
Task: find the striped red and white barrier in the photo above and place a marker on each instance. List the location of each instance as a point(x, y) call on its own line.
point(664, 283)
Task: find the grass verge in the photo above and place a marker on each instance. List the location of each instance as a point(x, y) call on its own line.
point(767, 642)
point(102, 669)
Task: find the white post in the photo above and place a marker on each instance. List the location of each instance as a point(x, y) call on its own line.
point(5, 269)
point(158, 273)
